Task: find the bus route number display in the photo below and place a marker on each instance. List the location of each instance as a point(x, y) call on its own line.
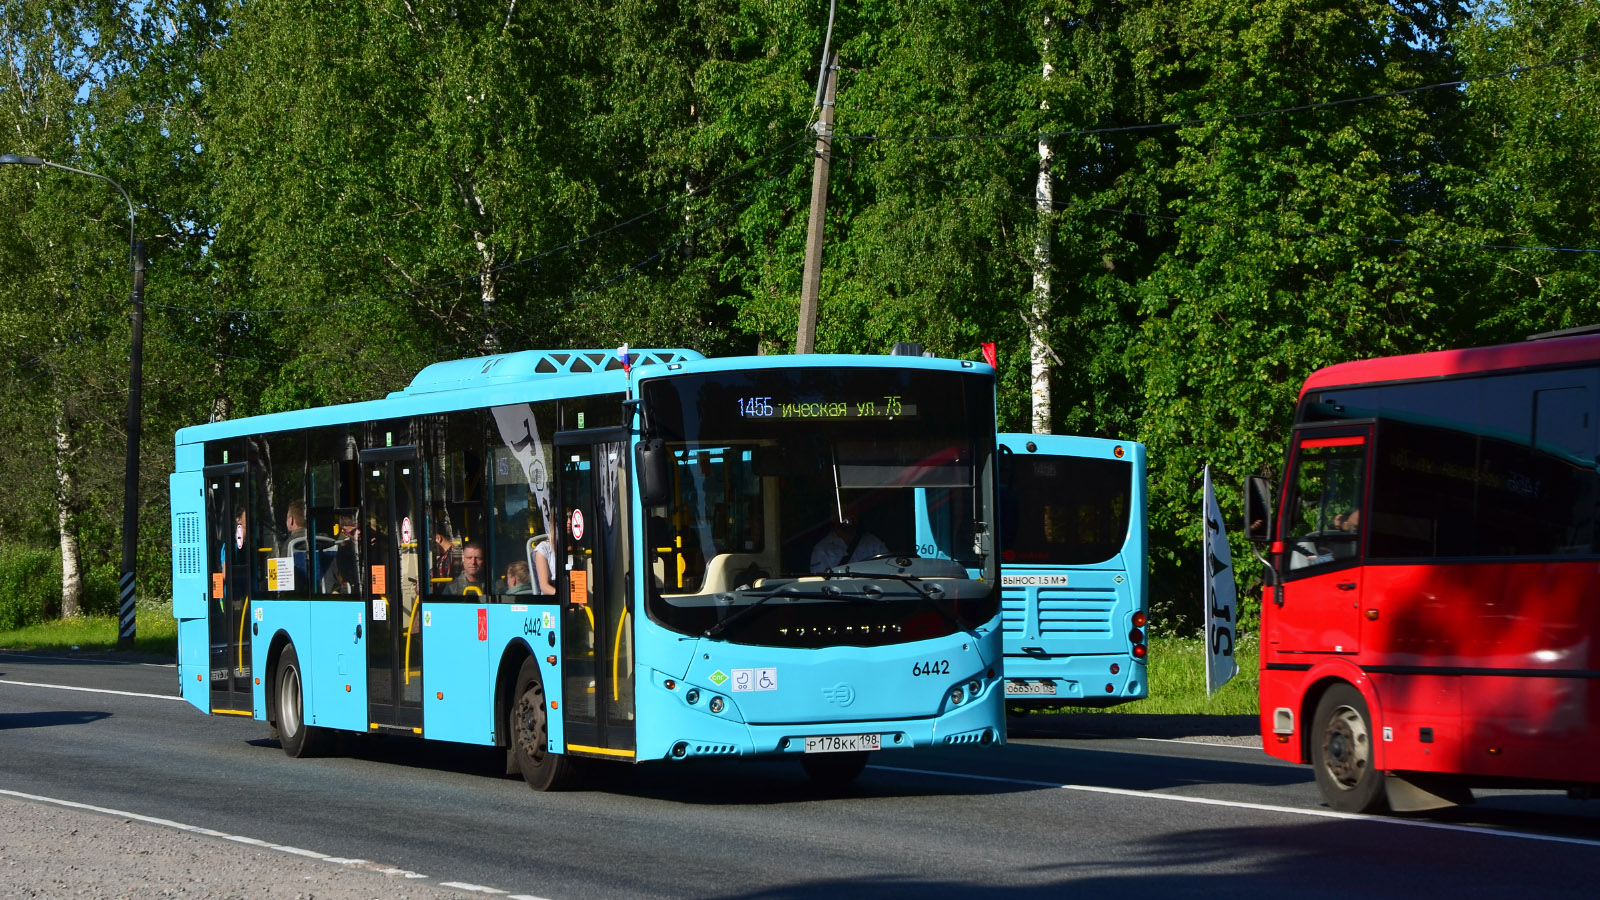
point(886, 407)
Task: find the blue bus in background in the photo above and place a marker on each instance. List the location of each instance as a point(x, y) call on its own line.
point(576, 559)
point(1073, 570)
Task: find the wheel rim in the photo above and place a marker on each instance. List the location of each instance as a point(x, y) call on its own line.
point(1346, 748)
point(289, 701)
point(529, 727)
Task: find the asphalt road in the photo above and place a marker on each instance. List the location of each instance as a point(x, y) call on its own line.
point(1125, 805)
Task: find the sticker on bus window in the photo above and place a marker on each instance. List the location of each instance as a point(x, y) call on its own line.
point(405, 530)
point(280, 573)
point(579, 580)
point(577, 524)
point(380, 609)
point(238, 536)
point(763, 679)
point(380, 579)
point(216, 585)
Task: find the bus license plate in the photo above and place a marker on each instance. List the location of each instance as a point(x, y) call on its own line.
point(842, 743)
point(1016, 688)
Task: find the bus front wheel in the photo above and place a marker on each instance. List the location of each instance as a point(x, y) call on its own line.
point(1342, 752)
point(528, 728)
point(299, 740)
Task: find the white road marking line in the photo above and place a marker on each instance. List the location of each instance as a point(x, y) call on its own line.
point(256, 842)
point(64, 687)
point(1260, 807)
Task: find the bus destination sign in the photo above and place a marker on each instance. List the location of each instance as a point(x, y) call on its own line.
point(886, 407)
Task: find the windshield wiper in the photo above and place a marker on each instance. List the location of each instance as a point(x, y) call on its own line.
point(915, 583)
point(787, 591)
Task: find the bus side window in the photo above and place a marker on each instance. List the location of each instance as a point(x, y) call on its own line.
point(1325, 514)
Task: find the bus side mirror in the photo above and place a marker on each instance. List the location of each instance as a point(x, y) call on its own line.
point(653, 462)
point(1258, 510)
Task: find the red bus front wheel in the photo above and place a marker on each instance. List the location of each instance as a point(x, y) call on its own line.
point(1342, 752)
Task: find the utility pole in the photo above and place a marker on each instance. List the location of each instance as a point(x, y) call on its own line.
point(811, 283)
point(130, 465)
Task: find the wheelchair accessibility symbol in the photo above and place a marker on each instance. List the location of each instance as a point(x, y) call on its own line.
point(764, 679)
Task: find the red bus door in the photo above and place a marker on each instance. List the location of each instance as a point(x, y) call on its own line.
point(1319, 597)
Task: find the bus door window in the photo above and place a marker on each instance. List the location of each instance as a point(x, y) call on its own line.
point(1320, 597)
point(228, 548)
point(597, 634)
point(388, 542)
point(453, 451)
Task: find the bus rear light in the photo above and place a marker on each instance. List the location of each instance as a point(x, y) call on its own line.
point(1136, 636)
point(1138, 651)
point(1138, 619)
point(1115, 668)
point(1110, 689)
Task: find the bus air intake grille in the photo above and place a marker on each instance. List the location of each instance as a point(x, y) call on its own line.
point(713, 750)
point(981, 736)
point(1076, 612)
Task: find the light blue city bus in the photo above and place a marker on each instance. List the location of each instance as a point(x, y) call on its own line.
point(573, 558)
point(1073, 570)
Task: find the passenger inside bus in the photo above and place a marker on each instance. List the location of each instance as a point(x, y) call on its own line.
point(472, 579)
point(517, 578)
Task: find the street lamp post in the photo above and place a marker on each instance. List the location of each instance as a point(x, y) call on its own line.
point(130, 475)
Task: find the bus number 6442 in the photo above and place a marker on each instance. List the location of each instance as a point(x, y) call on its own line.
point(931, 667)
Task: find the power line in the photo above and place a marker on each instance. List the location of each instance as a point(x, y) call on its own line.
point(1212, 120)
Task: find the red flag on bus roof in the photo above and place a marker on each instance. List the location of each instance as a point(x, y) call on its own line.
point(989, 354)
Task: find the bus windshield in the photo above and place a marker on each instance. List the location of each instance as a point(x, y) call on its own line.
point(853, 506)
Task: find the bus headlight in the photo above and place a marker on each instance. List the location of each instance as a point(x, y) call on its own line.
point(956, 696)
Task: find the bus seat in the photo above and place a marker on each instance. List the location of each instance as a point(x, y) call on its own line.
point(727, 571)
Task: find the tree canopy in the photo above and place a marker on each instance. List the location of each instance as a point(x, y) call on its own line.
point(337, 193)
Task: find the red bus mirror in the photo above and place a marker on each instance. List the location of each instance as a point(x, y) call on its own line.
point(1258, 510)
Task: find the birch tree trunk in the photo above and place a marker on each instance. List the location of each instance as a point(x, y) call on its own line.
point(1039, 318)
point(71, 555)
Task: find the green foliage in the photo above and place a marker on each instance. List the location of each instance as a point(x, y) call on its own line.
point(30, 586)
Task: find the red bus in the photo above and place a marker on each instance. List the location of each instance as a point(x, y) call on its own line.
point(1432, 616)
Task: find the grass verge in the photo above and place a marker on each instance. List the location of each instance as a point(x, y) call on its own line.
point(156, 634)
point(1178, 682)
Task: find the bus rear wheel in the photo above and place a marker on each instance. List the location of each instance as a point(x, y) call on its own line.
point(834, 771)
point(1342, 752)
point(528, 729)
point(299, 740)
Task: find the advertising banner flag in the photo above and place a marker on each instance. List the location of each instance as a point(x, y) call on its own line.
point(1221, 596)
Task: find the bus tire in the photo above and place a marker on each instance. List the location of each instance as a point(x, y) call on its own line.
point(299, 740)
point(834, 771)
point(528, 730)
point(1342, 752)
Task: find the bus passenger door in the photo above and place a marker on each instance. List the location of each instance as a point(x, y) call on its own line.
point(227, 499)
point(388, 541)
point(1324, 524)
point(591, 564)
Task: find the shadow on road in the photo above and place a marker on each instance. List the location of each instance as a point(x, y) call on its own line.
point(50, 719)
